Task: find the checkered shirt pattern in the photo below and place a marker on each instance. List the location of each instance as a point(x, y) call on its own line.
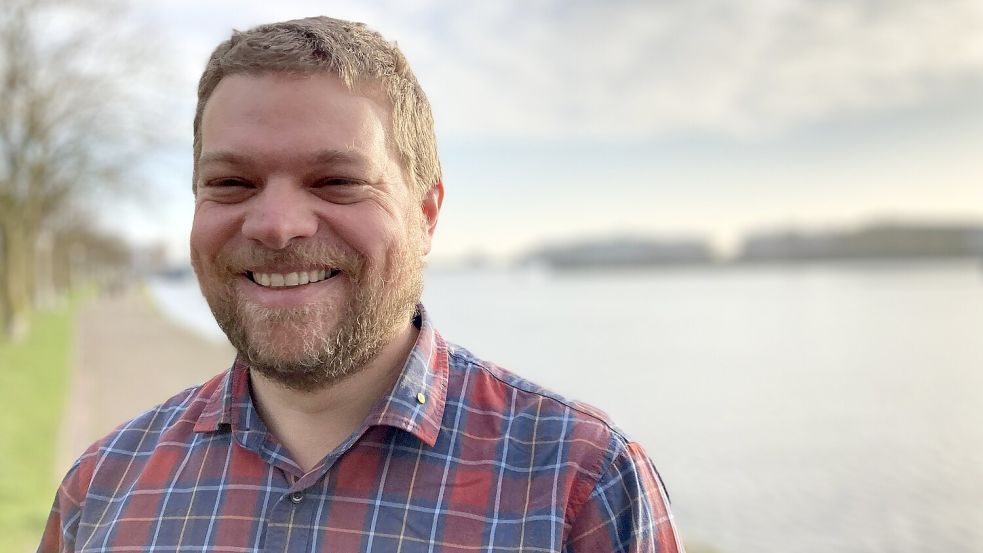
point(487, 462)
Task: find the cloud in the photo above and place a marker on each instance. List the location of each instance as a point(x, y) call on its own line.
point(613, 69)
point(639, 69)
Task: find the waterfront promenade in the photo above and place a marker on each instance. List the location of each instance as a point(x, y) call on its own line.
point(128, 357)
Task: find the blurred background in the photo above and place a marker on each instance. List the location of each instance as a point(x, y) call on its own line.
point(752, 232)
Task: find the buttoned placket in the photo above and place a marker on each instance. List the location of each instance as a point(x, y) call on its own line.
point(290, 521)
point(290, 526)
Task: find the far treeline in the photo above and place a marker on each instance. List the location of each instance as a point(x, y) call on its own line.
point(875, 241)
point(66, 141)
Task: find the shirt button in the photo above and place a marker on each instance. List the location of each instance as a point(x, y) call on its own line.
point(296, 497)
point(420, 398)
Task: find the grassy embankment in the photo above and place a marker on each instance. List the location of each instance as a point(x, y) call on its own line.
point(33, 382)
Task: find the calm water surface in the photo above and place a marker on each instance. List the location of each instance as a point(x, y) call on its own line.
point(803, 409)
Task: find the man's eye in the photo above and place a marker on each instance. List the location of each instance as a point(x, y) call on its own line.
point(228, 183)
point(334, 182)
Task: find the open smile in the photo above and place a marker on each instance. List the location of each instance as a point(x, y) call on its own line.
point(285, 280)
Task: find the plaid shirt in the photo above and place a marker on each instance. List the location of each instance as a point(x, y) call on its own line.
point(461, 456)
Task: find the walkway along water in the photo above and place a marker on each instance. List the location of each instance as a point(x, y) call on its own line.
point(128, 358)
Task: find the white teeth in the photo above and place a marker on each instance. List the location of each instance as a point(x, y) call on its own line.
point(280, 280)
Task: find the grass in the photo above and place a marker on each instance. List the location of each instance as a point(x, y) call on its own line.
point(33, 383)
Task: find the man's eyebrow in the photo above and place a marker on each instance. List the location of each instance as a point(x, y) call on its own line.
point(322, 157)
point(333, 157)
point(220, 157)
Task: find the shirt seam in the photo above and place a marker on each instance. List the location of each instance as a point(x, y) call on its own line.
point(616, 446)
point(570, 404)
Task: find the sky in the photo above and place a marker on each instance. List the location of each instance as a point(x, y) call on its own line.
point(568, 119)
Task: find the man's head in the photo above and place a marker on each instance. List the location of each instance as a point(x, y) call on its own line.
point(361, 57)
point(313, 207)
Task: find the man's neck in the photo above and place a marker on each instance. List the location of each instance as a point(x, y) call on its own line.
point(311, 424)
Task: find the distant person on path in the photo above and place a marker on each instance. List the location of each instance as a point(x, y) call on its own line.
point(346, 423)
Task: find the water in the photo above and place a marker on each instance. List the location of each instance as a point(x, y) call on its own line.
point(803, 409)
point(181, 301)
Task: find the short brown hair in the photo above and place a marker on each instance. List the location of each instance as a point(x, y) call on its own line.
point(350, 50)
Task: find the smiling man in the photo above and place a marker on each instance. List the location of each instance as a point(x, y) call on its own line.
point(346, 423)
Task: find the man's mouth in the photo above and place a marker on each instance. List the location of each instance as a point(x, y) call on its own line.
point(284, 280)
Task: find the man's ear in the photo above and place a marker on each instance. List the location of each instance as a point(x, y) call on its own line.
point(430, 205)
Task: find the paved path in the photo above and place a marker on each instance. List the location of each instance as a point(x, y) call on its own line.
point(128, 357)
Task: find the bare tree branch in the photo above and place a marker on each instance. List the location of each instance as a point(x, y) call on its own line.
point(70, 125)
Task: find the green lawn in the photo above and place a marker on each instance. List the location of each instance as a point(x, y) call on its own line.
point(33, 382)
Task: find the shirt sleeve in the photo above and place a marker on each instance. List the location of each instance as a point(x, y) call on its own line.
point(627, 511)
point(62, 526)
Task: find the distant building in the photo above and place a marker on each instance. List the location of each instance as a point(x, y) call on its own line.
point(882, 241)
point(622, 252)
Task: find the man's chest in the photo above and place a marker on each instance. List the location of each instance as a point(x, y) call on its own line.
point(374, 498)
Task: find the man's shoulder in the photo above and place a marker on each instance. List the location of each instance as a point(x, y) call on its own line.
point(487, 385)
point(172, 420)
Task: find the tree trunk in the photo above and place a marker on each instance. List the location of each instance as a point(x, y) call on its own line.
point(17, 266)
point(5, 311)
point(44, 281)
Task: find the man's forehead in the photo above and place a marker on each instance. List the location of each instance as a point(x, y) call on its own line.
point(370, 89)
point(247, 109)
point(348, 157)
point(299, 141)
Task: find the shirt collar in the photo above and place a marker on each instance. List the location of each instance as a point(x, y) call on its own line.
point(415, 403)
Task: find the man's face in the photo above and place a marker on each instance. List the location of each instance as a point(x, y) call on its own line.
point(297, 183)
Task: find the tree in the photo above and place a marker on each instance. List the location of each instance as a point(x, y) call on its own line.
point(67, 130)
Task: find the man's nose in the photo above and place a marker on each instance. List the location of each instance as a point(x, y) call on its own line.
point(280, 213)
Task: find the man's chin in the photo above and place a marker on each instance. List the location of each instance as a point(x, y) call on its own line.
point(288, 364)
point(288, 344)
point(301, 355)
point(287, 329)
point(305, 371)
point(294, 376)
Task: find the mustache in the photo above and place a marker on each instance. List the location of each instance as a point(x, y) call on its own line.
point(302, 254)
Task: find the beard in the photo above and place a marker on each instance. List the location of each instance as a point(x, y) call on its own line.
point(310, 347)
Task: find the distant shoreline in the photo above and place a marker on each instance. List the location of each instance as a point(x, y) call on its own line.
point(734, 264)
